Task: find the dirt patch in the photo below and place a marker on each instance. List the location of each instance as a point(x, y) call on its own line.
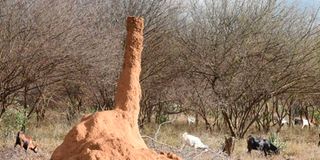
point(18, 154)
point(115, 134)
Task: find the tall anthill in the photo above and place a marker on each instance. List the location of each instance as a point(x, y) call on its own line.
point(114, 134)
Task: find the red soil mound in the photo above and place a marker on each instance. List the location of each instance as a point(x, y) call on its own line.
point(114, 134)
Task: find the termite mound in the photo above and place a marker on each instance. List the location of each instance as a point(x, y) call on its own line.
point(114, 134)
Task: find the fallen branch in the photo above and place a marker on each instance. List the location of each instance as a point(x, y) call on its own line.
point(159, 127)
point(154, 140)
point(158, 146)
point(200, 154)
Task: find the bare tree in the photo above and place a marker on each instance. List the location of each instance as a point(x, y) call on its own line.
point(248, 52)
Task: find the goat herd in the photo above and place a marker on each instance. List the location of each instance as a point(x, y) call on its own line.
point(297, 121)
point(253, 143)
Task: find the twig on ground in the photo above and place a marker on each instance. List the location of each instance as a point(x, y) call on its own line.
point(154, 140)
point(159, 127)
point(200, 154)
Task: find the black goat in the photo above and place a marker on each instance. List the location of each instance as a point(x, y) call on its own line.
point(319, 141)
point(297, 121)
point(261, 144)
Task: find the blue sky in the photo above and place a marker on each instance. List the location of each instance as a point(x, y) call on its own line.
point(313, 4)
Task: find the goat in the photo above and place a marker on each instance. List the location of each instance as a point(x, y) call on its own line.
point(26, 142)
point(284, 122)
point(229, 144)
point(319, 141)
point(297, 121)
point(315, 122)
point(261, 144)
point(192, 141)
point(304, 122)
point(191, 120)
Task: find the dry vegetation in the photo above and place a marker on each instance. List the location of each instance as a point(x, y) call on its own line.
point(238, 66)
point(299, 144)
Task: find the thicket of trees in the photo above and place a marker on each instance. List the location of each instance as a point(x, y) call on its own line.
point(241, 63)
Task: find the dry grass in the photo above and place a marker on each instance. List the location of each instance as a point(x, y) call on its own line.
point(300, 143)
point(48, 136)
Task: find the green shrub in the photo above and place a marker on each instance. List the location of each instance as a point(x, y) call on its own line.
point(92, 110)
point(12, 121)
point(274, 138)
point(162, 118)
point(317, 115)
point(21, 120)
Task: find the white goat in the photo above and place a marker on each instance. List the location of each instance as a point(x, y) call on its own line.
point(284, 122)
point(305, 122)
point(191, 120)
point(192, 141)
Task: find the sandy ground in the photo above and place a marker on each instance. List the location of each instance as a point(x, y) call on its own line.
point(20, 154)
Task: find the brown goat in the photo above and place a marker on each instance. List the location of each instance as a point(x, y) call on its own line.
point(26, 142)
point(229, 145)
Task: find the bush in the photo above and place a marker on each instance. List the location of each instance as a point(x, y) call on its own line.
point(162, 118)
point(12, 121)
point(274, 138)
point(317, 115)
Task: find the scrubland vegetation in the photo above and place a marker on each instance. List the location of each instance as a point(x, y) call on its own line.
point(240, 67)
point(296, 143)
